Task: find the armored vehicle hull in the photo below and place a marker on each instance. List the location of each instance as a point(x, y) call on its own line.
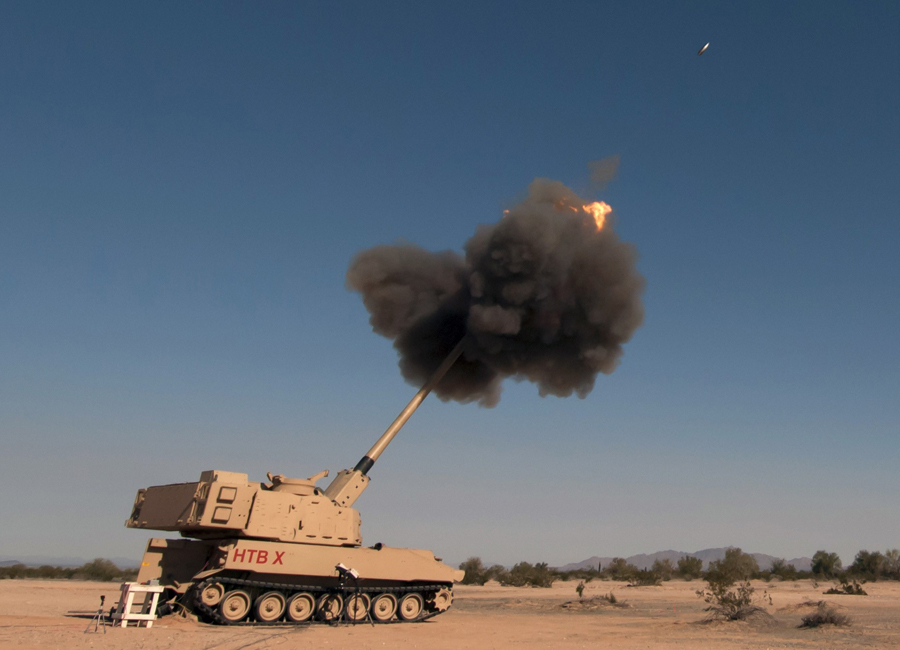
point(231, 581)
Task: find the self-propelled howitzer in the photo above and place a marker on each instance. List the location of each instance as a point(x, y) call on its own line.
point(286, 550)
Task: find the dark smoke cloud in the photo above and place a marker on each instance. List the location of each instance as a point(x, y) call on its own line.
point(542, 294)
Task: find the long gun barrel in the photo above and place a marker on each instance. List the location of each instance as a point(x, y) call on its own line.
point(366, 462)
point(349, 484)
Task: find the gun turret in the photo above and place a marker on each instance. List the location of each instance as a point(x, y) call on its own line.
point(223, 504)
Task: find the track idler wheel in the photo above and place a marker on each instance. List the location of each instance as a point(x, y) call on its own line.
point(384, 607)
point(329, 607)
point(440, 600)
point(300, 607)
point(411, 606)
point(269, 607)
point(235, 606)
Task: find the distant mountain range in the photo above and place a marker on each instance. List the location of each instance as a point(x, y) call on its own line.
point(644, 561)
point(38, 560)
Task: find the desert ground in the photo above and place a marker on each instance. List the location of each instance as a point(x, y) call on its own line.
point(36, 614)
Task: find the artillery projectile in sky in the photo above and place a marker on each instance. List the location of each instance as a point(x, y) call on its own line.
point(703, 49)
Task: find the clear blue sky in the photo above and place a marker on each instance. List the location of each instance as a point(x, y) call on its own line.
point(183, 186)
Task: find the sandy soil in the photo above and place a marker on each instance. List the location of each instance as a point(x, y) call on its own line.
point(33, 614)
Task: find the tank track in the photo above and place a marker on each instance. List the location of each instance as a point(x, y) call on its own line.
point(208, 614)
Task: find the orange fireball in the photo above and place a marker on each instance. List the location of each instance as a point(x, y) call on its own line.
point(598, 210)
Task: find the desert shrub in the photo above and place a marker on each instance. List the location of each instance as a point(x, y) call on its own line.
point(847, 588)
point(595, 603)
point(644, 578)
point(523, 573)
point(789, 572)
point(495, 572)
point(475, 571)
point(735, 566)
point(826, 565)
point(13, 572)
point(781, 569)
point(517, 576)
point(541, 575)
point(869, 566)
point(690, 567)
point(824, 615)
point(724, 600)
point(892, 564)
point(99, 569)
point(587, 575)
point(619, 569)
point(663, 568)
point(47, 572)
point(612, 600)
point(617, 566)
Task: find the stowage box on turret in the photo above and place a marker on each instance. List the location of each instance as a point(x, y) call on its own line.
point(287, 551)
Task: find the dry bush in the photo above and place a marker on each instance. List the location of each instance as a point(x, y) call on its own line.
point(495, 572)
point(826, 565)
point(100, 569)
point(847, 588)
point(736, 565)
point(522, 574)
point(597, 602)
point(645, 578)
point(525, 574)
point(690, 567)
point(664, 569)
point(743, 613)
point(475, 571)
point(806, 604)
point(892, 563)
point(619, 569)
point(782, 570)
point(825, 615)
point(610, 598)
point(725, 601)
point(870, 566)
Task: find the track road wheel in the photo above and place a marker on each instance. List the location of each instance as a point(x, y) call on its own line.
point(440, 600)
point(269, 607)
point(357, 606)
point(329, 607)
point(212, 594)
point(235, 606)
point(384, 607)
point(300, 607)
point(411, 606)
